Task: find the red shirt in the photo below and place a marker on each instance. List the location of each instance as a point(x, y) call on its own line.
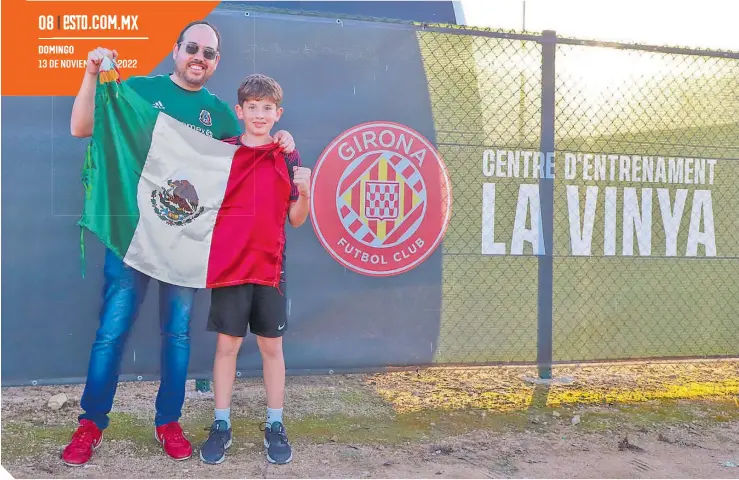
point(251, 224)
point(292, 160)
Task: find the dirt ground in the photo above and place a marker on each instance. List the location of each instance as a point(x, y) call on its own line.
point(460, 425)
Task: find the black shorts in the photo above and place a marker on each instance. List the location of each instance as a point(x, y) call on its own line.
point(261, 308)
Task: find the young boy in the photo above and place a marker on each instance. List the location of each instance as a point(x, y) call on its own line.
point(261, 308)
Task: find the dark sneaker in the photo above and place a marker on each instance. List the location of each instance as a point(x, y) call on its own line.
point(219, 439)
point(278, 447)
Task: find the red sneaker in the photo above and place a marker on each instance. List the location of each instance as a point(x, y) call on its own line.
point(85, 440)
point(173, 441)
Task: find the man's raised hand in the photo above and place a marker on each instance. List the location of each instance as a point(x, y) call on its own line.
point(95, 58)
point(286, 141)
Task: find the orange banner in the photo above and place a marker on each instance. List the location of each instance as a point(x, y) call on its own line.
point(45, 42)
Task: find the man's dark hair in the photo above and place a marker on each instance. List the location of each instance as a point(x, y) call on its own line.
point(200, 22)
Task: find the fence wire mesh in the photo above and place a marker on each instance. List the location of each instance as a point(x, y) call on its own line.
point(661, 128)
point(488, 314)
point(644, 238)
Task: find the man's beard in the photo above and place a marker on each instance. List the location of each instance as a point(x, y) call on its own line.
point(184, 74)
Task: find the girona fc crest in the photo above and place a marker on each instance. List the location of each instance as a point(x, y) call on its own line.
point(381, 199)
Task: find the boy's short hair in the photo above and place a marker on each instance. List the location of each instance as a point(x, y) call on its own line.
point(259, 87)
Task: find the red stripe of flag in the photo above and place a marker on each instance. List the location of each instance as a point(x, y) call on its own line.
point(243, 247)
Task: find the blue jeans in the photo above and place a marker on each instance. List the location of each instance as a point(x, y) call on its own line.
point(123, 294)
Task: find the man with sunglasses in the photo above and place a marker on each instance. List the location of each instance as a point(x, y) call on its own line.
point(183, 96)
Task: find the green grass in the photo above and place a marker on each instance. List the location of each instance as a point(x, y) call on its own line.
point(25, 441)
point(658, 414)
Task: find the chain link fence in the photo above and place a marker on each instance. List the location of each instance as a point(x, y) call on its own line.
point(661, 277)
point(488, 314)
point(594, 205)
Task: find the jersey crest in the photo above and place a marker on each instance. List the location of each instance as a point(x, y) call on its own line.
point(205, 118)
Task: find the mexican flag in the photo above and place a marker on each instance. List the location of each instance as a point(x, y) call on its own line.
point(176, 204)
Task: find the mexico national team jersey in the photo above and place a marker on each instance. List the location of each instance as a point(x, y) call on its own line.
point(200, 110)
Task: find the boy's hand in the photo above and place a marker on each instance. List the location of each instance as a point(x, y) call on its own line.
point(286, 141)
point(301, 179)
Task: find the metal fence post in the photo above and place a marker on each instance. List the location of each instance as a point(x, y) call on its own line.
point(546, 196)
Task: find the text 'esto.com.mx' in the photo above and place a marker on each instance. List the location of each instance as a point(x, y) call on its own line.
point(61, 35)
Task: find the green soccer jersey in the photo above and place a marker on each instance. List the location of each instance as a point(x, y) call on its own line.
point(200, 110)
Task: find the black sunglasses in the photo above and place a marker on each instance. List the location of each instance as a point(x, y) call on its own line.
point(193, 48)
